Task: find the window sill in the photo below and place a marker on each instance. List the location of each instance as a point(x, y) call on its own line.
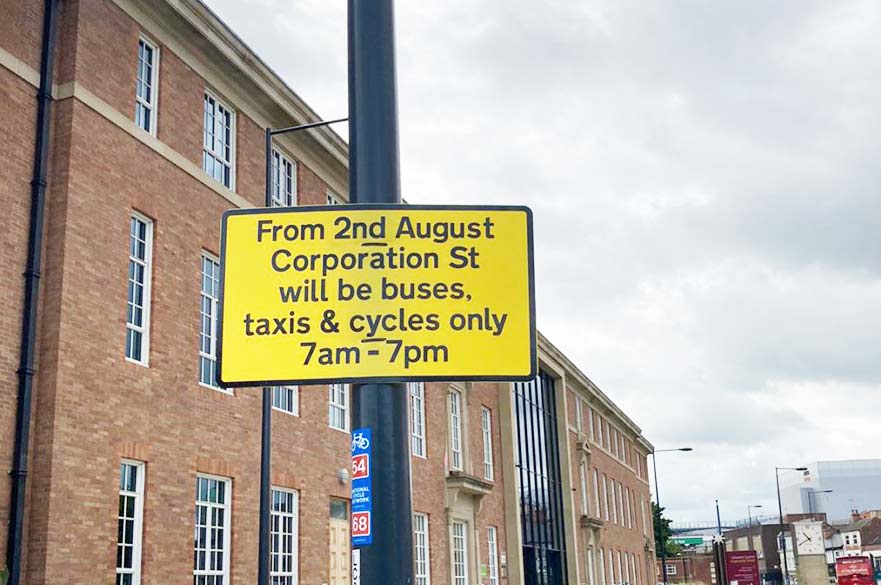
point(217, 389)
point(138, 363)
point(287, 412)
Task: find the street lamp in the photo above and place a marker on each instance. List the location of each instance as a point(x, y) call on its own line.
point(811, 500)
point(750, 523)
point(780, 510)
point(658, 501)
point(264, 528)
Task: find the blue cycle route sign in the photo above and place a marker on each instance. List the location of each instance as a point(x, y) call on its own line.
point(362, 503)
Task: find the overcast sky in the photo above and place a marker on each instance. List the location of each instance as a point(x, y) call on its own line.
point(705, 181)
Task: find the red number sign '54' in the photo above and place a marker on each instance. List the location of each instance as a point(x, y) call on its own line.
point(360, 466)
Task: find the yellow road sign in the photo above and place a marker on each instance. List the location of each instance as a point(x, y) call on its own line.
point(376, 293)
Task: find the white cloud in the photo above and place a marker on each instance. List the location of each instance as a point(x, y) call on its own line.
point(707, 196)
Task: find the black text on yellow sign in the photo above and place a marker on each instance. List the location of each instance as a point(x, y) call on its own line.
point(376, 293)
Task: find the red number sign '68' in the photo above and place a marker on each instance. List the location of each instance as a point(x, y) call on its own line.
point(360, 524)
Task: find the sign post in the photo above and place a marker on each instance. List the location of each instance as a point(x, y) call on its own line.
point(374, 177)
point(375, 294)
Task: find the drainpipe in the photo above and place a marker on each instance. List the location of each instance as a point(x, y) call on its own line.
point(25, 371)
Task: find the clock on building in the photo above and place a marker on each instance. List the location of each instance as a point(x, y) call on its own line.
point(809, 539)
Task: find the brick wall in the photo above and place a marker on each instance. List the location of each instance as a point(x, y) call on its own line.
point(18, 112)
point(612, 534)
point(92, 407)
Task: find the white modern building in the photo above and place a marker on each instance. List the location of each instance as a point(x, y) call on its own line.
point(855, 485)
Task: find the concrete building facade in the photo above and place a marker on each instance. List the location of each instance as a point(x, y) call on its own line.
point(141, 468)
point(855, 485)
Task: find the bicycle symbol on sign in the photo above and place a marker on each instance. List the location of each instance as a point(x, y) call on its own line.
point(359, 441)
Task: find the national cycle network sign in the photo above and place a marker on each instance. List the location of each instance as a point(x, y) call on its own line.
point(362, 483)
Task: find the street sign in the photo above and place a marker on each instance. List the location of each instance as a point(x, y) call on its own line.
point(376, 293)
point(362, 487)
point(742, 567)
point(856, 570)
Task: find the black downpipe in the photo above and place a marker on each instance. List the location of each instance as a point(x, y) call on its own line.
point(26, 371)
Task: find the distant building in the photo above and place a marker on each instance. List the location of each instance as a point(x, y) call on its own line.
point(696, 569)
point(855, 485)
point(861, 537)
point(762, 538)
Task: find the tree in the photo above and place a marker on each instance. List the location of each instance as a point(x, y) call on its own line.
point(662, 533)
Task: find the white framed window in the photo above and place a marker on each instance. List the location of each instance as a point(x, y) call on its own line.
point(218, 148)
point(579, 414)
point(619, 490)
point(612, 578)
point(605, 498)
point(459, 542)
point(608, 436)
point(615, 443)
point(628, 517)
point(591, 579)
point(284, 180)
point(634, 576)
point(492, 558)
point(613, 495)
point(130, 523)
point(417, 418)
point(284, 520)
point(486, 422)
point(455, 430)
point(421, 550)
point(332, 199)
point(140, 268)
point(146, 85)
point(590, 423)
point(286, 399)
point(582, 477)
point(211, 542)
point(602, 567)
point(338, 407)
point(622, 450)
point(645, 526)
point(596, 492)
point(208, 322)
point(599, 430)
point(671, 569)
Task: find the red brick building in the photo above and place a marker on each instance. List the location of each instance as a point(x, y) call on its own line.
point(140, 466)
point(696, 569)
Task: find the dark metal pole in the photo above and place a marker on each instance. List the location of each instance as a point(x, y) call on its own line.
point(782, 535)
point(263, 550)
point(658, 503)
point(374, 177)
point(749, 526)
point(28, 349)
point(718, 519)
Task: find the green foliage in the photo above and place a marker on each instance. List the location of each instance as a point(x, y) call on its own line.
point(662, 534)
point(4, 575)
